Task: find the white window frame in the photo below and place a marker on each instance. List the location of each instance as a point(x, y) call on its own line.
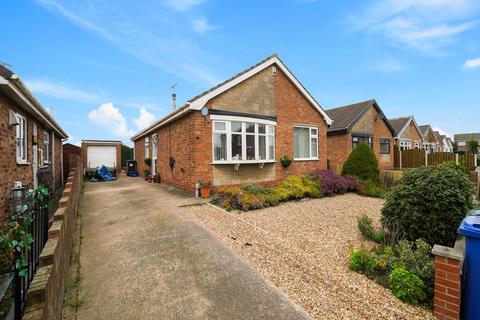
point(405, 144)
point(418, 145)
point(310, 137)
point(46, 148)
point(147, 148)
point(21, 136)
point(227, 120)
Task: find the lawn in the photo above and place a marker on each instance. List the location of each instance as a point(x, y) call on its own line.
point(303, 247)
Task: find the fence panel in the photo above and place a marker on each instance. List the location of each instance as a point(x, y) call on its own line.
point(412, 158)
point(436, 158)
point(467, 160)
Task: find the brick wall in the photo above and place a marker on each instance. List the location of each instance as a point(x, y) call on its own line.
point(11, 170)
point(44, 298)
point(411, 133)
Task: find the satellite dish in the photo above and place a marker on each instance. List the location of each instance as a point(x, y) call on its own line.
point(204, 111)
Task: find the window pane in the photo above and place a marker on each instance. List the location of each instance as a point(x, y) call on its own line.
point(271, 130)
point(262, 147)
point(236, 126)
point(301, 143)
point(261, 128)
point(314, 148)
point(384, 146)
point(219, 126)
point(250, 127)
point(236, 146)
point(220, 146)
point(250, 147)
point(271, 149)
point(314, 132)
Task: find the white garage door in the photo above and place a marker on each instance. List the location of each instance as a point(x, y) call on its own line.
point(98, 155)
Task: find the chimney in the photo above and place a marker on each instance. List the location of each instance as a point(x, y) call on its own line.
point(174, 97)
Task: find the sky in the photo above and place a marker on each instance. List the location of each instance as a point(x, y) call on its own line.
point(104, 68)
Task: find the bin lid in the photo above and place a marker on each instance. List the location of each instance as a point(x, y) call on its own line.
point(470, 226)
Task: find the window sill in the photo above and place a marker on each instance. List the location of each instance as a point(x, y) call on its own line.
point(305, 159)
point(23, 163)
point(243, 162)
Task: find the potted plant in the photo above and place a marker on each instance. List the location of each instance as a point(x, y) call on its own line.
point(156, 178)
point(148, 162)
point(286, 161)
point(146, 172)
point(205, 188)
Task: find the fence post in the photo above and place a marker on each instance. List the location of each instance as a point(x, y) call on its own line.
point(426, 158)
point(400, 156)
point(456, 158)
point(475, 159)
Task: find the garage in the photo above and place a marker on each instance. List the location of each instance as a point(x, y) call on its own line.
point(101, 152)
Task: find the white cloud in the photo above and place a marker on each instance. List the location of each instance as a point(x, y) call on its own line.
point(427, 25)
point(110, 117)
point(202, 26)
point(389, 66)
point(71, 139)
point(59, 90)
point(144, 119)
point(441, 131)
point(472, 64)
point(146, 31)
point(182, 5)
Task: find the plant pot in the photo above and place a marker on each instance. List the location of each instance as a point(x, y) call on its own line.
point(205, 192)
point(285, 162)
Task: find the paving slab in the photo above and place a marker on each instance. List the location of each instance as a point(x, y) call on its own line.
point(142, 259)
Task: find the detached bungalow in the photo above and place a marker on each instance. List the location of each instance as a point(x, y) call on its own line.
point(408, 134)
point(447, 144)
point(462, 140)
point(238, 131)
point(30, 141)
point(362, 122)
point(430, 140)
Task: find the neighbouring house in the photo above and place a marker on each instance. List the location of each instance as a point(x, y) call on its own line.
point(461, 141)
point(72, 158)
point(30, 141)
point(438, 136)
point(96, 153)
point(238, 131)
point(362, 122)
point(430, 142)
point(447, 145)
point(408, 135)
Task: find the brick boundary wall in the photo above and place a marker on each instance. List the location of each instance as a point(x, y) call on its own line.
point(448, 280)
point(46, 293)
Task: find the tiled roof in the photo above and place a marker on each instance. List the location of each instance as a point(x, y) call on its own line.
point(399, 123)
point(344, 117)
point(5, 72)
point(466, 136)
point(424, 128)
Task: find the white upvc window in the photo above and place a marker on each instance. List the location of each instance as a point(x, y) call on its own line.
point(237, 140)
point(405, 145)
point(418, 144)
point(305, 143)
point(21, 139)
point(147, 149)
point(46, 148)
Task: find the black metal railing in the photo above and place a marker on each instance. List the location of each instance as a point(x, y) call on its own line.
point(16, 281)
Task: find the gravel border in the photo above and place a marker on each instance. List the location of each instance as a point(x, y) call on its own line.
point(303, 248)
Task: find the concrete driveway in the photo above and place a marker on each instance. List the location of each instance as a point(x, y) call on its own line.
point(141, 259)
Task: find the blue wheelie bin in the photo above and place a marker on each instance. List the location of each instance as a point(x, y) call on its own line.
point(470, 228)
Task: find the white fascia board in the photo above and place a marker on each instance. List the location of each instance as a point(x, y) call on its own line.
point(219, 117)
point(3, 81)
point(200, 102)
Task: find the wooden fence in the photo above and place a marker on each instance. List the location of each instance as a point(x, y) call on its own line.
point(415, 158)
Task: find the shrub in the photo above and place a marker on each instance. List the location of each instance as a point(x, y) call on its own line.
point(368, 231)
point(252, 188)
point(371, 188)
point(248, 201)
point(406, 286)
point(362, 261)
point(362, 163)
point(332, 184)
point(417, 259)
point(148, 162)
point(428, 203)
point(297, 187)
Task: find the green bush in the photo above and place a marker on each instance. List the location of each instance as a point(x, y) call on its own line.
point(428, 203)
point(252, 188)
point(385, 259)
point(371, 188)
point(362, 261)
point(368, 231)
point(362, 163)
point(406, 286)
point(417, 259)
point(297, 187)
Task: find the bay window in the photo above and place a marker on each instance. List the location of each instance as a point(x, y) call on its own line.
point(405, 145)
point(238, 141)
point(21, 139)
point(305, 143)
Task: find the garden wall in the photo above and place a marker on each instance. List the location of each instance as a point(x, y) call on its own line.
point(46, 293)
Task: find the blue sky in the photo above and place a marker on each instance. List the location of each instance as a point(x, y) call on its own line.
point(104, 68)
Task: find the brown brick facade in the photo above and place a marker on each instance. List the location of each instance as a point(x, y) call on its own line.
point(11, 170)
point(411, 133)
point(189, 138)
point(340, 145)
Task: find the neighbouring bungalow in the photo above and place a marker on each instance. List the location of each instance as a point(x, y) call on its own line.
point(462, 140)
point(30, 142)
point(447, 144)
point(238, 131)
point(408, 135)
point(430, 142)
point(362, 122)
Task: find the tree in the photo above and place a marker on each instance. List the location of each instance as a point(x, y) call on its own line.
point(362, 163)
point(473, 146)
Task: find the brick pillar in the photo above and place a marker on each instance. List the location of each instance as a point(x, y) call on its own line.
point(448, 284)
